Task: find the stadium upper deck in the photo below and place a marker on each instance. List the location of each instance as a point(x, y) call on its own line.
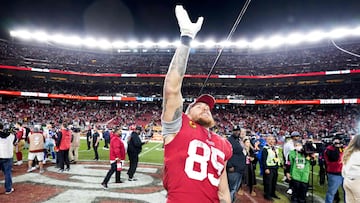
point(293, 64)
point(245, 62)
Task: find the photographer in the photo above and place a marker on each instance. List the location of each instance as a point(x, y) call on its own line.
point(333, 160)
point(7, 141)
point(300, 162)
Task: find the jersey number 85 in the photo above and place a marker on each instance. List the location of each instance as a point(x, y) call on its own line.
point(209, 154)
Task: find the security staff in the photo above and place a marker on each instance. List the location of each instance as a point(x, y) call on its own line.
point(271, 159)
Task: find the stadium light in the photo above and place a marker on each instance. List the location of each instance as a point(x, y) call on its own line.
point(271, 41)
point(176, 43)
point(104, 44)
point(225, 44)
point(210, 43)
point(241, 44)
point(195, 44)
point(163, 43)
point(73, 40)
point(148, 44)
point(258, 43)
point(58, 38)
point(118, 44)
point(89, 42)
point(13, 33)
point(22, 34)
point(316, 36)
point(356, 31)
point(340, 33)
point(275, 41)
point(133, 44)
point(40, 36)
point(294, 39)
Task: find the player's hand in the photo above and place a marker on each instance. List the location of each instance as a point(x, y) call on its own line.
point(187, 28)
point(267, 171)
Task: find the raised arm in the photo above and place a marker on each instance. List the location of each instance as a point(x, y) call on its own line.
point(172, 97)
point(172, 101)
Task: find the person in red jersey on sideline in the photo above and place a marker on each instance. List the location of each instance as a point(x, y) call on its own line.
point(117, 155)
point(194, 157)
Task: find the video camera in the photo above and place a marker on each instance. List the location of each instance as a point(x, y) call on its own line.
point(328, 140)
point(76, 129)
point(309, 147)
point(9, 128)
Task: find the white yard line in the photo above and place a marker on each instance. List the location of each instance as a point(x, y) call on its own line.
point(145, 152)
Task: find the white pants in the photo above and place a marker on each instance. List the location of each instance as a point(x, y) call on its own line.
point(38, 155)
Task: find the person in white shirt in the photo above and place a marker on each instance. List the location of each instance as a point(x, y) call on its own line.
point(125, 136)
point(288, 146)
point(7, 141)
point(351, 170)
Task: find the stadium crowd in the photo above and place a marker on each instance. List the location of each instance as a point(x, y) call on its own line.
point(239, 62)
point(328, 91)
point(311, 121)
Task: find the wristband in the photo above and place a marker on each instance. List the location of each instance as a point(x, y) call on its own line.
point(185, 40)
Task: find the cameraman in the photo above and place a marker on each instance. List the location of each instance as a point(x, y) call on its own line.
point(333, 160)
point(300, 163)
point(7, 141)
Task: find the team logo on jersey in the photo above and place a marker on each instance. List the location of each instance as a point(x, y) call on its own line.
point(192, 124)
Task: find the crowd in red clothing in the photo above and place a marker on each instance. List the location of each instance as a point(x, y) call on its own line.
point(278, 120)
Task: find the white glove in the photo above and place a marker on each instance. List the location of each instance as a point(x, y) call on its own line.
point(187, 28)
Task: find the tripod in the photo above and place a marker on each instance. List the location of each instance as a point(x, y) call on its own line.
point(312, 163)
point(312, 181)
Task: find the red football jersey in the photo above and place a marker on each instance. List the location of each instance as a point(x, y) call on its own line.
point(193, 163)
point(20, 133)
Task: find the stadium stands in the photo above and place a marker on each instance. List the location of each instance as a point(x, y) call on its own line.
point(264, 119)
point(243, 62)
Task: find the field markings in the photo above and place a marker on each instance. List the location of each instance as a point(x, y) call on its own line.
point(149, 150)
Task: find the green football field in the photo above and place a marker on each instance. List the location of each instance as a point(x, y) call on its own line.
point(152, 152)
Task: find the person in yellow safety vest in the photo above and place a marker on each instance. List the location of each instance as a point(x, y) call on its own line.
point(271, 159)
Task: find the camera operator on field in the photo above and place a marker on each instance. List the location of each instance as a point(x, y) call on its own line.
point(300, 162)
point(333, 159)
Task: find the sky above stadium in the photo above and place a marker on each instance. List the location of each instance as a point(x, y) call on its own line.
point(155, 19)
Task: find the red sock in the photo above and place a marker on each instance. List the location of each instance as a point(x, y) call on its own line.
point(19, 156)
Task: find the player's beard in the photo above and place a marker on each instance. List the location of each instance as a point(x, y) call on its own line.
point(207, 123)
